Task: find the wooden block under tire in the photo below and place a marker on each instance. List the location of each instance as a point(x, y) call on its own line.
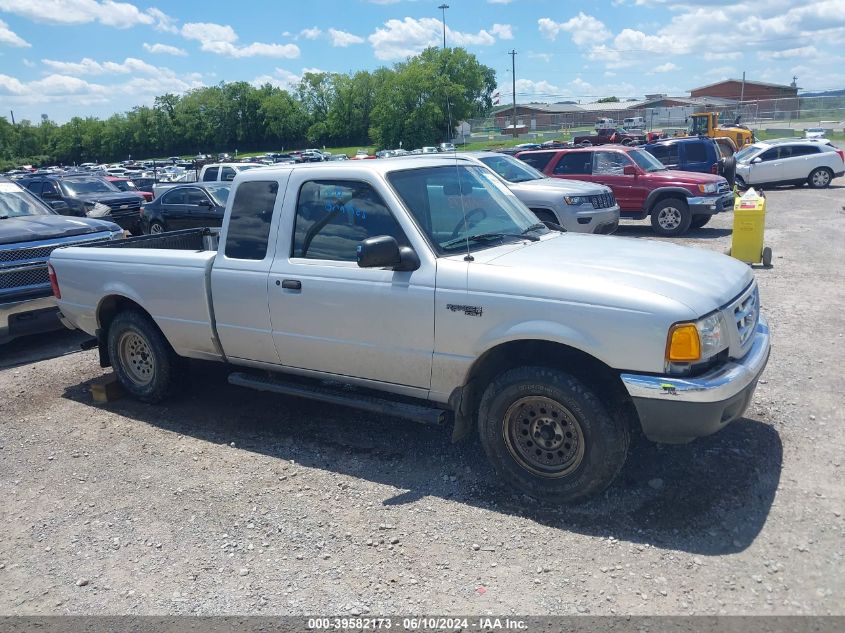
point(107, 389)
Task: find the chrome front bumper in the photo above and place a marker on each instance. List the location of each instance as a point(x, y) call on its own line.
point(681, 409)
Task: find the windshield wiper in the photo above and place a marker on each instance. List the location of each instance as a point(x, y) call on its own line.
point(534, 227)
point(488, 237)
point(4, 217)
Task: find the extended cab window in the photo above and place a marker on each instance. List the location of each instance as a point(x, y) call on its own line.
point(538, 160)
point(227, 173)
point(250, 218)
point(333, 217)
point(609, 163)
point(210, 174)
point(574, 163)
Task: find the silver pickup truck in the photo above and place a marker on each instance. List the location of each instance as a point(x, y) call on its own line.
point(423, 288)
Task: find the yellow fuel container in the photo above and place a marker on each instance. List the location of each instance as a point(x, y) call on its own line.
point(749, 224)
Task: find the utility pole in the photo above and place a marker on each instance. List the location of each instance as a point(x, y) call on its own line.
point(513, 77)
point(13, 116)
point(443, 8)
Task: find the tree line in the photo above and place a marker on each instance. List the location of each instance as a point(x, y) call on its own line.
point(413, 102)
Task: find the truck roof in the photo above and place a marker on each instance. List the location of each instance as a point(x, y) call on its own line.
point(379, 166)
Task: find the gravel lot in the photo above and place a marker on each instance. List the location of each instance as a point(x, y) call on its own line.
point(233, 501)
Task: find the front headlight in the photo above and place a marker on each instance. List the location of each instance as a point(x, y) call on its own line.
point(711, 187)
point(576, 199)
point(699, 340)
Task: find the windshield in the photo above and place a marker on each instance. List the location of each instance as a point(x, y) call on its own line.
point(746, 152)
point(698, 125)
point(646, 161)
point(125, 185)
point(92, 185)
point(511, 169)
point(17, 203)
point(815, 130)
point(245, 167)
point(460, 207)
point(219, 193)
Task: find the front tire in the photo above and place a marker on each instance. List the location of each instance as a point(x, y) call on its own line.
point(156, 227)
point(549, 436)
point(671, 217)
point(820, 178)
point(145, 363)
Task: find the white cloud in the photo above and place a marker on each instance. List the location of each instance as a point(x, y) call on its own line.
point(665, 68)
point(402, 38)
point(343, 39)
point(311, 34)
point(164, 22)
point(710, 56)
point(222, 40)
point(806, 52)
point(502, 31)
point(120, 15)
point(7, 36)
point(90, 67)
point(546, 57)
point(583, 28)
point(165, 49)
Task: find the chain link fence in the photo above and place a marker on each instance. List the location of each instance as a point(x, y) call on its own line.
point(785, 117)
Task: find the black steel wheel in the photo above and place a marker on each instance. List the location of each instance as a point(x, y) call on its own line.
point(549, 435)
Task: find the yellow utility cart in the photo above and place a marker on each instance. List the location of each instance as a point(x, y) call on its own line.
point(749, 225)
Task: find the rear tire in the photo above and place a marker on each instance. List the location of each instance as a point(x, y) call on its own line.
point(145, 363)
point(727, 167)
point(549, 436)
point(820, 178)
point(699, 220)
point(671, 217)
point(585, 144)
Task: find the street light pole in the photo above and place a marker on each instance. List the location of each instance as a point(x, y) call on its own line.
point(443, 8)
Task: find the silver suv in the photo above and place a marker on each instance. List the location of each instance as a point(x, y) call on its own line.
point(579, 207)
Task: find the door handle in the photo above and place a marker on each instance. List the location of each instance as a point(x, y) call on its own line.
point(292, 284)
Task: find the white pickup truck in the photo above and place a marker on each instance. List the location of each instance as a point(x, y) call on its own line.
point(429, 291)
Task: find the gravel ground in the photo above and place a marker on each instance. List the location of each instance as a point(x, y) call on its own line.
point(232, 501)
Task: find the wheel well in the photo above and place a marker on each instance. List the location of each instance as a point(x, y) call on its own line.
point(493, 362)
point(111, 306)
point(665, 195)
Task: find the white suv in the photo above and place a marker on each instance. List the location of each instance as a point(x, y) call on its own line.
point(789, 161)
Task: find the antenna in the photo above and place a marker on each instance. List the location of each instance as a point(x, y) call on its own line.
point(513, 78)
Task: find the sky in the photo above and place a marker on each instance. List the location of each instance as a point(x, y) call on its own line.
point(68, 58)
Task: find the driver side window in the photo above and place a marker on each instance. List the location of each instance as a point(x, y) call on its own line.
point(333, 217)
point(609, 163)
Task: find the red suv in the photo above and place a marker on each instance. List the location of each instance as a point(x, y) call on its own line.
point(675, 200)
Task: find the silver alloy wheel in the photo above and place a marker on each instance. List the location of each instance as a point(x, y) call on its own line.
point(543, 437)
point(821, 178)
point(156, 228)
point(669, 218)
point(136, 358)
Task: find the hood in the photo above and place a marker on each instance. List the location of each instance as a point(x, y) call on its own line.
point(33, 228)
point(670, 176)
point(562, 187)
point(110, 197)
point(630, 271)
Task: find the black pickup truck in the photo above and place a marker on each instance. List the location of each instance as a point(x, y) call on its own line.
point(29, 232)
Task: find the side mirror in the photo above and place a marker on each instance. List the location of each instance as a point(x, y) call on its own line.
point(50, 195)
point(58, 205)
point(384, 252)
point(756, 161)
point(629, 170)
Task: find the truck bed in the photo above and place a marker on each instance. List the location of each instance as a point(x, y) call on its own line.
point(168, 275)
point(203, 239)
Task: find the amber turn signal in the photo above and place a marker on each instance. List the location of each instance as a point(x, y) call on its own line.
point(683, 345)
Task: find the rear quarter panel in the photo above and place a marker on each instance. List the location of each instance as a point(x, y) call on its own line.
point(172, 286)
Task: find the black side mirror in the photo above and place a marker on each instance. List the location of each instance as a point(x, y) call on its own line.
point(58, 205)
point(384, 252)
point(50, 195)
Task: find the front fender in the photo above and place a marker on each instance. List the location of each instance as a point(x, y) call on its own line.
point(652, 197)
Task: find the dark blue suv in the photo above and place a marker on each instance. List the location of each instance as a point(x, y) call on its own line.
point(694, 153)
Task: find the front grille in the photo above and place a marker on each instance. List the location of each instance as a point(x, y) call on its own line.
point(602, 201)
point(724, 187)
point(132, 205)
point(38, 253)
point(24, 278)
point(746, 312)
